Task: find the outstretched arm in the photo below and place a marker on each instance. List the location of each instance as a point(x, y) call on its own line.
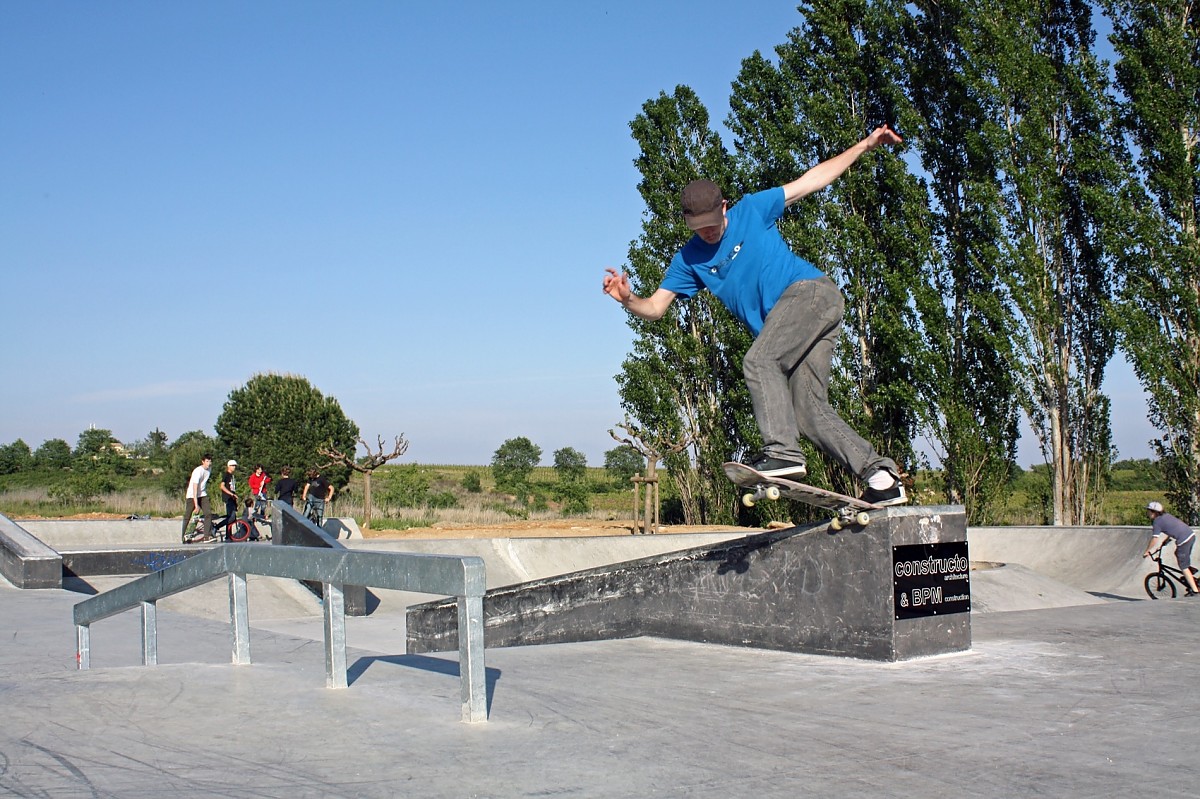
point(616, 285)
point(830, 170)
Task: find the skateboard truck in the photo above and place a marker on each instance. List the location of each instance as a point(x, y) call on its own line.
point(760, 493)
point(847, 515)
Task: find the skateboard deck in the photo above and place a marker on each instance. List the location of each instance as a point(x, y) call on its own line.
point(847, 509)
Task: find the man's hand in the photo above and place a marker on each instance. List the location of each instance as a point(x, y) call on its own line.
point(652, 308)
point(831, 169)
point(882, 135)
point(616, 285)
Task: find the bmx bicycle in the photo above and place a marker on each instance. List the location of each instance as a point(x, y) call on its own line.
point(196, 529)
point(245, 528)
point(314, 510)
point(1161, 584)
point(199, 529)
point(241, 529)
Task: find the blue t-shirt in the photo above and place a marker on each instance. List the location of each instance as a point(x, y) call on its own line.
point(749, 268)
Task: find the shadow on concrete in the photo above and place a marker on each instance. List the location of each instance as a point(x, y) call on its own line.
point(78, 585)
point(434, 665)
point(1116, 597)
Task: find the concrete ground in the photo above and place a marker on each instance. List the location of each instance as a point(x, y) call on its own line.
point(1094, 700)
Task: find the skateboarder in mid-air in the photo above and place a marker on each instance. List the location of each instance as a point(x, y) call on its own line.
point(791, 307)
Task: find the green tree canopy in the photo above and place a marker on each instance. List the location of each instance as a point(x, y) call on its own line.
point(94, 442)
point(513, 462)
point(623, 462)
point(683, 380)
point(405, 486)
point(153, 447)
point(970, 392)
point(15, 457)
point(182, 457)
point(54, 453)
point(571, 465)
point(282, 420)
point(1158, 303)
point(94, 451)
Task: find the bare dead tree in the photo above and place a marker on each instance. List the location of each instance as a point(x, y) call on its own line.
point(365, 465)
point(652, 447)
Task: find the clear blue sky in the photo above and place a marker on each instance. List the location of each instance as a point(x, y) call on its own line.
point(409, 204)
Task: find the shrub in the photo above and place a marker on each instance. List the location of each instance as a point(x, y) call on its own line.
point(575, 497)
point(472, 482)
point(82, 488)
point(442, 499)
point(406, 487)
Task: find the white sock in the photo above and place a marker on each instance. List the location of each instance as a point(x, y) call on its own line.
point(881, 479)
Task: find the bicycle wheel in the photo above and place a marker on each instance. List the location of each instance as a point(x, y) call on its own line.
point(1159, 585)
point(240, 530)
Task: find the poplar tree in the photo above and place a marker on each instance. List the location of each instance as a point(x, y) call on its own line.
point(1158, 74)
point(971, 390)
point(839, 77)
point(1061, 178)
point(683, 379)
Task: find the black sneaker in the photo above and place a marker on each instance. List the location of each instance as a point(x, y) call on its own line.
point(885, 496)
point(777, 467)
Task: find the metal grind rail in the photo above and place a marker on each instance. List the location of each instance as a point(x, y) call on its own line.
point(445, 575)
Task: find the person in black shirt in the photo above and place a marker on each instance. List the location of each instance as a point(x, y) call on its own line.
point(229, 494)
point(286, 487)
point(317, 491)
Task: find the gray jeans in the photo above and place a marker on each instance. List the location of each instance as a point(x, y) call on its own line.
point(787, 372)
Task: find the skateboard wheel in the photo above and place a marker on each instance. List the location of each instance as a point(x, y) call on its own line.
point(748, 500)
point(773, 492)
point(835, 524)
point(862, 518)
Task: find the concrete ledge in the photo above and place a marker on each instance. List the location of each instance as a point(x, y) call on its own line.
point(25, 561)
point(124, 561)
point(65, 534)
point(290, 528)
point(799, 590)
point(521, 560)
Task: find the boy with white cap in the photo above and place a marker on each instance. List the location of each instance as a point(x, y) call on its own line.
point(1166, 526)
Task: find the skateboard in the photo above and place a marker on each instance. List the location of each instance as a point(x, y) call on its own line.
point(848, 510)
